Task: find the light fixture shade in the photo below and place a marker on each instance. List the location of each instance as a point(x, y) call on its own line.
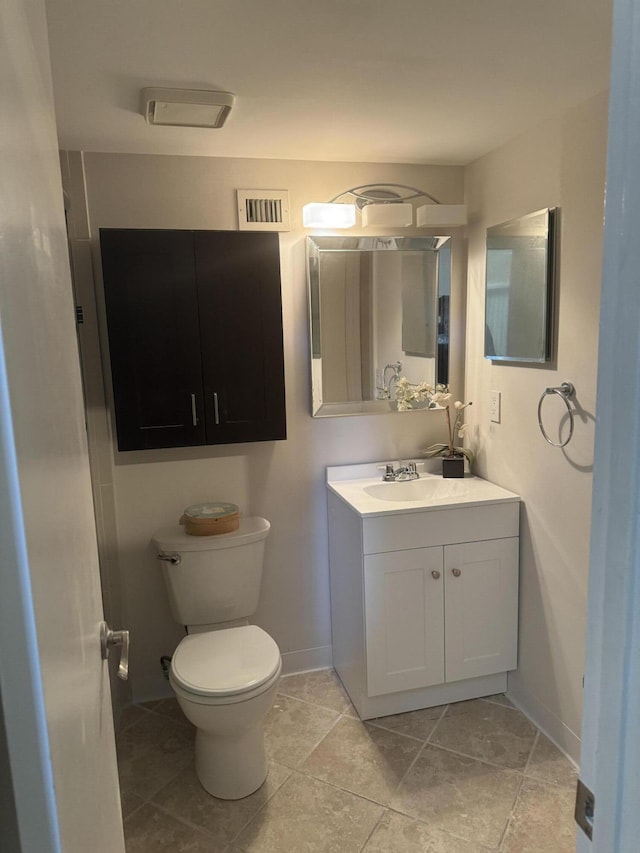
point(387, 215)
point(317, 215)
point(429, 215)
point(186, 107)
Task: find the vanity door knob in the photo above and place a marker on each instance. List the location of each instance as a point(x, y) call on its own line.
point(456, 573)
point(435, 575)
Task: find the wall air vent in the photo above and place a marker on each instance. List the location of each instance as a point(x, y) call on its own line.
point(263, 210)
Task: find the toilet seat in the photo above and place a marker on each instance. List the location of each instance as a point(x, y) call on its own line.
point(229, 665)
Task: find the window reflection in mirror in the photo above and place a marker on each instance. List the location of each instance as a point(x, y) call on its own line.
point(379, 309)
point(519, 288)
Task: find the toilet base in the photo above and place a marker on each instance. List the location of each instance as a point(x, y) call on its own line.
point(230, 754)
point(231, 767)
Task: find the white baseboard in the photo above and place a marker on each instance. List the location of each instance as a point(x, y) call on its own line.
point(549, 723)
point(307, 659)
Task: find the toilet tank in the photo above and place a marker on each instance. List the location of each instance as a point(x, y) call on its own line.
point(213, 578)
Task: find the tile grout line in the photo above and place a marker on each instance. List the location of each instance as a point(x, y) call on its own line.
point(311, 702)
point(533, 749)
point(420, 751)
point(261, 809)
point(369, 837)
point(493, 702)
point(375, 725)
point(338, 787)
point(484, 761)
point(181, 820)
point(517, 796)
point(137, 809)
point(316, 744)
point(511, 813)
point(421, 820)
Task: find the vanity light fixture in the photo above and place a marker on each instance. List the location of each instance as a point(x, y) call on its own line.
point(435, 215)
point(382, 206)
point(186, 107)
point(330, 215)
point(398, 215)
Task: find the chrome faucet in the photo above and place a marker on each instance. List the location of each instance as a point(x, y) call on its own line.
point(384, 390)
point(401, 473)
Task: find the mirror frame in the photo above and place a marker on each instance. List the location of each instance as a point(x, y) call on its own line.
point(547, 286)
point(360, 243)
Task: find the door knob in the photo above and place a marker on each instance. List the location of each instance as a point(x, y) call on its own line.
point(109, 639)
point(435, 575)
point(456, 573)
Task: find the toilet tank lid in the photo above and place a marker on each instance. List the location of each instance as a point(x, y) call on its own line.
point(229, 661)
point(251, 529)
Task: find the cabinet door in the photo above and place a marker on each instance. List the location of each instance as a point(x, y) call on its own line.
point(481, 608)
point(404, 620)
point(238, 275)
point(154, 341)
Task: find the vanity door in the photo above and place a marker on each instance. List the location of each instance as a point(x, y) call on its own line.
point(404, 612)
point(481, 608)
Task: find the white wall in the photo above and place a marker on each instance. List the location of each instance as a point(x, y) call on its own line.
point(561, 164)
point(284, 481)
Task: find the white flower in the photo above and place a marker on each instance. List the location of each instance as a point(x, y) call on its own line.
point(440, 398)
point(458, 404)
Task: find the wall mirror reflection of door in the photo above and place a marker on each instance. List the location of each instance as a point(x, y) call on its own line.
point(379, 309)
point(520, 288)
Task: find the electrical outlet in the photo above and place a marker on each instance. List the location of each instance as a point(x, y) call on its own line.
point(494, 406)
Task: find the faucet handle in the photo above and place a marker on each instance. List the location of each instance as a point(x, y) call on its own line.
point(388, 470)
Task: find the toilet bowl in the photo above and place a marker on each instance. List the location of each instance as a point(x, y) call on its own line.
point(225, 682)
point(224, 678)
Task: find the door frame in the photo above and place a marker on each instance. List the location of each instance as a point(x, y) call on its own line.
point(611, 734)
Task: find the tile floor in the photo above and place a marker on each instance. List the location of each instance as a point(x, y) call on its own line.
point(464, 778)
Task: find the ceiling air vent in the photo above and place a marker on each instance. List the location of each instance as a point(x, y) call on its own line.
point(263, 210)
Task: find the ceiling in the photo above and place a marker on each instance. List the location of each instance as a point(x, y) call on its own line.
point(408, 81)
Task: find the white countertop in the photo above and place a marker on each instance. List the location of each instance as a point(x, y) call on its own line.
point(361, 486)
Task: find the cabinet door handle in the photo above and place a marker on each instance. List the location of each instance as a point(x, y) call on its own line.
point(456, 573)
point(435, 575)
point(216, 409)
point(194, 411)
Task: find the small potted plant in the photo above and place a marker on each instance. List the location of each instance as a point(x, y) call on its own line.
point(452, 456)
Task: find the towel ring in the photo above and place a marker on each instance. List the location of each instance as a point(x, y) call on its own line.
point(565, 391)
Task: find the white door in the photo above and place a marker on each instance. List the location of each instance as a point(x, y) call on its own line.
point(404, 611)
point(610, 763)
point(54, 685)
point(481, 608)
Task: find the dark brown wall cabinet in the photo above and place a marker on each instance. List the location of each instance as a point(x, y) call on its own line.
point(195, 336)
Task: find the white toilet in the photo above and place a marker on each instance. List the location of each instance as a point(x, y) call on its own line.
point(224, 672)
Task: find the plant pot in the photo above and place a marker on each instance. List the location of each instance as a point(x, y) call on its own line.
point(453, 466)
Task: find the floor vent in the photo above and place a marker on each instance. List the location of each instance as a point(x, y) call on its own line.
point(263, 210)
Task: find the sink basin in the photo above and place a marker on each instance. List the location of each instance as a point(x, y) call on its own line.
point(362, 488)
point(417, 490)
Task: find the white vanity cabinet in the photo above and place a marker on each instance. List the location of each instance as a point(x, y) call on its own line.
point(424, 600)
point(435, 615)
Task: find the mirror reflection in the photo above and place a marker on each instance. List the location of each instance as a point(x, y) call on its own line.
point(379, 310)
point(519, 288)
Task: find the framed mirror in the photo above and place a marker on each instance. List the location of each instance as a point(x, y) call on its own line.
point(379, 310)
point(520, 286)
